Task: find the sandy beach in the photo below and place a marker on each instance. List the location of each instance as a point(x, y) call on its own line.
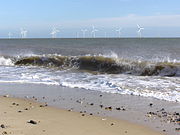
point(21, 116)
point(98, 108)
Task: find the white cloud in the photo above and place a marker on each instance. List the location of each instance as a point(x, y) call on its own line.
point(129, 21)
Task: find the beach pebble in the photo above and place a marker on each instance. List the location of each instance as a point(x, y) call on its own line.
point(4, 133)
point(151, 104)
point(112, 124)
point(2, 126)
point(124, 109)
point(101, 106)
point(175, 113)
point(32, 122)
point(41, 106)
point(6, 96)
point(103, 118)
point(108, 108)
point(13, 103)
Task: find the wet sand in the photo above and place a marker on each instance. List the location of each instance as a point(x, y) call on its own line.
point(20, 116)
point(137, 110)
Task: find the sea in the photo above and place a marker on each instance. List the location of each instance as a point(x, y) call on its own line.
point(147, 67)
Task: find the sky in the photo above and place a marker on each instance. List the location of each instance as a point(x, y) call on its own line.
point(160, 18)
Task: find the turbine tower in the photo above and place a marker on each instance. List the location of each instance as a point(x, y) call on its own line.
point(84, 32)
point(9, 34)
point(119, 32)
point(93, 32)
point(54, 32)
point(139, 30)
point(23, 33)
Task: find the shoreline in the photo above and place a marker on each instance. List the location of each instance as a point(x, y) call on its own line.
point(132, 109)
point(22, 116)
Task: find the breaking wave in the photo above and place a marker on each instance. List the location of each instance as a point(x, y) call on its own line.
point(103, 65)
point(6, 61)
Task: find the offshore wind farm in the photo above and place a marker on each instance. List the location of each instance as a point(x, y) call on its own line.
point(92, 33)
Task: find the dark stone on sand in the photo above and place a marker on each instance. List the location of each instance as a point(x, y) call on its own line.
point(176, 113)
point(151, 104)
point(90, 114)
point(152, 113)
point(83, 115)
point(43, 105)
point(2, 126)
point(19, 111)
point(15, 104)
point(32, 122)
point(101, 106)
point(108, 108)
point(162, 109)
point(91, 103)
point(124, 109)
point(112, 124)
point(100, 95)
point(26, 109)
point(164, 130)
point(118, 108)
point(4, 133)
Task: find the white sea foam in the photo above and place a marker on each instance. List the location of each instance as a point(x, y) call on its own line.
point(5, 61)
point(164, 88)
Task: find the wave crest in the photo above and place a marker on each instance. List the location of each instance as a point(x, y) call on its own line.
point(6, 61)
point(101, 64)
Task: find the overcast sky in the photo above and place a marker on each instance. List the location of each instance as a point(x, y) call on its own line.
point(160, 18)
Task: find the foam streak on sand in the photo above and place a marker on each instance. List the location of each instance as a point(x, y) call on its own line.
point(19, 116)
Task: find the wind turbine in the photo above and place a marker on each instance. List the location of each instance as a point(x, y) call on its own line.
point(119, 32)
point(54, 32)
point(23, 33)
point(9, 34)
point(93, 32)
point(139, 30)
point(84, 32)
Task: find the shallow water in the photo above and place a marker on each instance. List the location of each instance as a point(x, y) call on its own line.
point(143, 67)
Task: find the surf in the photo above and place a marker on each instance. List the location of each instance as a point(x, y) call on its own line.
point(103, 65)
